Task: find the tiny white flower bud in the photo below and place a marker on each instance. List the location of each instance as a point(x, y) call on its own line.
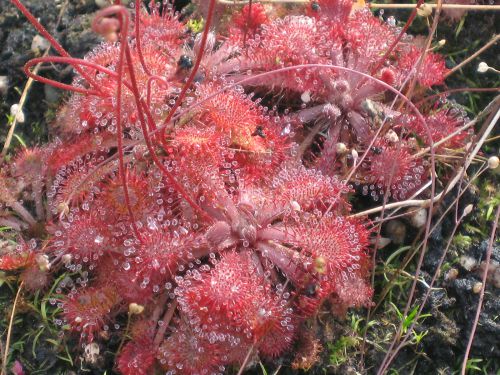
point(391, 136)
point(468, 209)
point(355, 155)
point(17, 112)
point(493, 162)
point(295, 205)
point(396, 230)
point(442, 42)
point(340, 148)
point(66, 258)
point(477, 287)
point(482, 67)
point(451, 275)
point(381, 242)
point(43, 262)
point(102, 3)
point(4, 85)
point(419, 218)
point(135, 309)
point(305, 97)
point(425, 10)
point(39, 44)
point(468, 262)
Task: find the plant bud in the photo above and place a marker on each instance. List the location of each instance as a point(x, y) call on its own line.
point(355, 155)
point(477, 287)
point(66, 258)
point(493, 162)
point(468, 209)
point(391, 136)
point(340, 148)
point(43, 262)
point(16, 111)
point(135, 309)
point(468, 262)
point(424, 10)
point(320, 265)
point(295, 206)
point(419, 218)
point(396, 230)
point(482, 67)
point(102, 3)
point(305, 97)
point(4, 85)
point(39, 44)
point(451, 275)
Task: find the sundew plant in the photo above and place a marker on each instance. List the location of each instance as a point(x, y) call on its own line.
point(217, 182)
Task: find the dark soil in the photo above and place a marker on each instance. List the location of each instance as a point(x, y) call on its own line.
point(16, 35)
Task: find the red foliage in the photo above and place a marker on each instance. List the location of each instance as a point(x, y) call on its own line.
point(432, 72)
point(137, 357)
point(391, 166)
point(21, 257)
point(235, 300)
point(213, 210)
point(86, 311)
point(337, 10)
point(185, 352)
point(250, 19)
point(85, 237)
point(440, 124)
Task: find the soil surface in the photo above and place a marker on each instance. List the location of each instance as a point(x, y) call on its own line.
point(69, 23)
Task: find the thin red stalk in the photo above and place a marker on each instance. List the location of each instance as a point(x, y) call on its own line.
point(149, 144)
point(483, 287)
point(374, 260)
point(194, 70)
point(248, 21)
point(245, 361)
point(148, 141)
point(151, 79)
point(427, 293)
point(398, 39)
point(124, 23)
point(426, 49)
point(387, 360)
point(138, 37)
point(142, 108)
point(166, 320)
point(54, 43)
point(63, 60)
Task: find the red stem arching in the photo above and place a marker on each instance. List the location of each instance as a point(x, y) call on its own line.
point(149, 144)
point(193, 71)
point(138, 37)
point(54, 43)
point(124, 23)
point(398, 39)
point(64, 60)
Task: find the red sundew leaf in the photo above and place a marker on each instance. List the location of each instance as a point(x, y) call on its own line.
point(86, 311)
point(137, 357)
point(20, 257)
point(432, 72)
